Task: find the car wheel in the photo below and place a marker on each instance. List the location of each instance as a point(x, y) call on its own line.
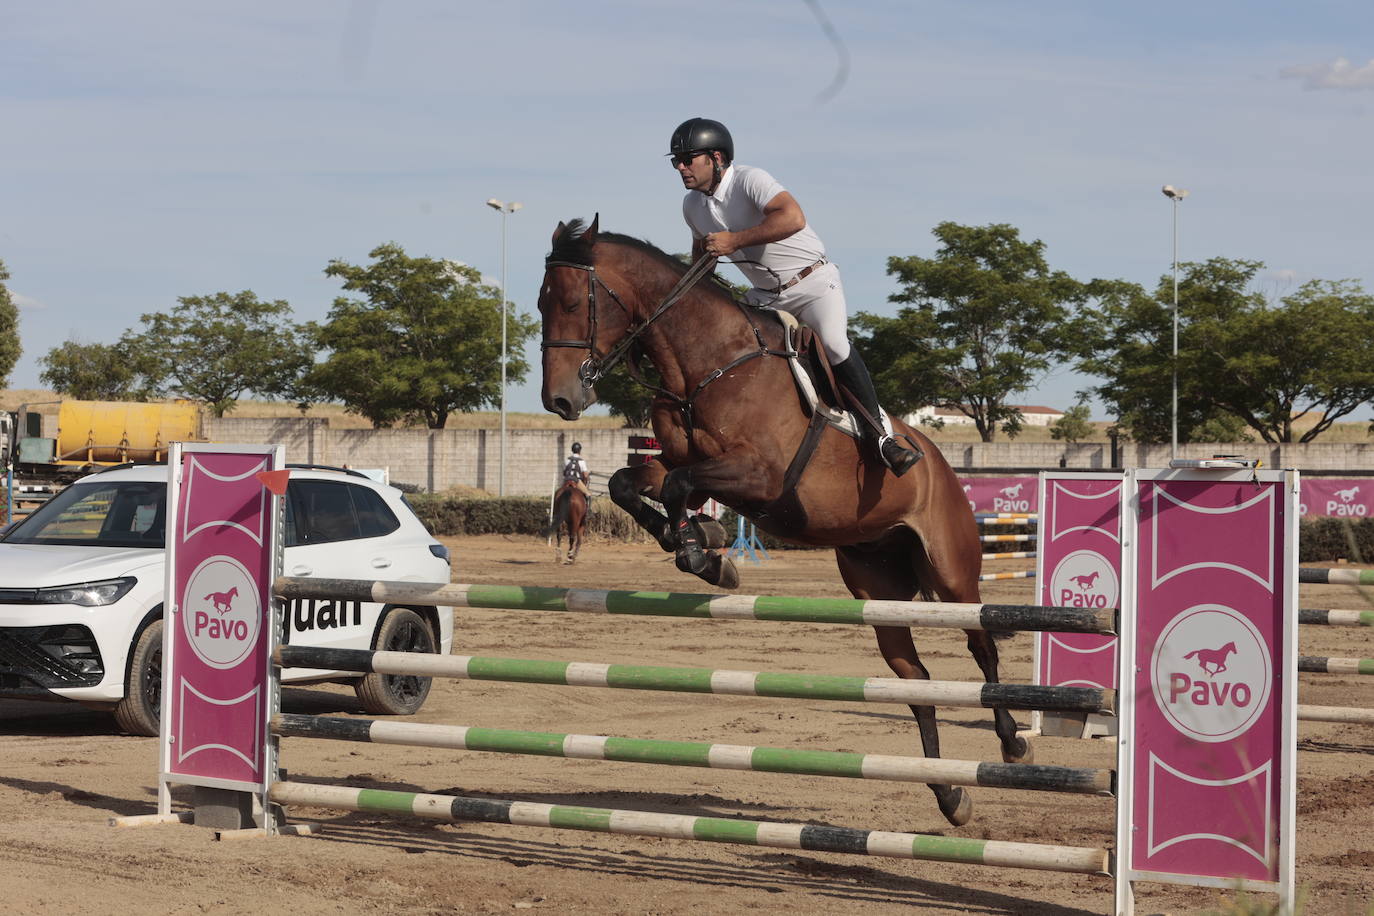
point(140, 712)
point(402, 630)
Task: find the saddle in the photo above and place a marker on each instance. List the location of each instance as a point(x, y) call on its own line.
point(816, 386)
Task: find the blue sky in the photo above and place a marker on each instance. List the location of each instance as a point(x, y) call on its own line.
point(156, 149)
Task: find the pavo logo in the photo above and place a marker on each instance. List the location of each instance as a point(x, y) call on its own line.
point(1211, 673)
point(220, 615)
point(1084, 578)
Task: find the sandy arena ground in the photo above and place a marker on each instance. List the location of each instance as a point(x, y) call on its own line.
point(65, 770)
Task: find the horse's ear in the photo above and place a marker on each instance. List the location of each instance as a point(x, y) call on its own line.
point(590, 235)
point(562, 227)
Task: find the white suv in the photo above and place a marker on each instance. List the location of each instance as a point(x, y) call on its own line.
point(81, 590)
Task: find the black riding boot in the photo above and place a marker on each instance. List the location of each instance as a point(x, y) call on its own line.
point(853, 376)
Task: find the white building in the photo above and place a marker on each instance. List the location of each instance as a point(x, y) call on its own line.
point(1033, 416)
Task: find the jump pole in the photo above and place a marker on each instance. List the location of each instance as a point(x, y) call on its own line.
point(720, 607)
point(808, 837)
point(704, 680)
point(1032, 777)
point(1320, 576)
point(1336, 618)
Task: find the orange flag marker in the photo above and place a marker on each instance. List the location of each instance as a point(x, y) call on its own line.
point(275, 480)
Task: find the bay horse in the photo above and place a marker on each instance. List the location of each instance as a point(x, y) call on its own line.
point(729, 419)
point(570, 513)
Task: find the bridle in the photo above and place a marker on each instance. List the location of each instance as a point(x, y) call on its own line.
point(596, 364)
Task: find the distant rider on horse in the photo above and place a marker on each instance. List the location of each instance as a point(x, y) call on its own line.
point(740, 208)
point(576, 473)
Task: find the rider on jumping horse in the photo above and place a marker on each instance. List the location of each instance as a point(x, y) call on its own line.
point(740, 208)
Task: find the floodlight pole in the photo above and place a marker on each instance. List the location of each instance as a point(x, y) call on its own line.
point(1176, 195)
point(505, 209)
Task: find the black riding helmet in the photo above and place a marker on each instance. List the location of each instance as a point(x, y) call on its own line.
point(577, 446)
point(699, 134)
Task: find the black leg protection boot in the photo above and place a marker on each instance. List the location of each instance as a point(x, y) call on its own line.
point(853, 376)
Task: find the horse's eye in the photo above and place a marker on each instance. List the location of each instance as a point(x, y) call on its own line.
point(572, 305)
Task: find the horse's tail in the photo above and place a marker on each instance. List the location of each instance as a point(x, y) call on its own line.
point(560, 514)
point(1192, 653)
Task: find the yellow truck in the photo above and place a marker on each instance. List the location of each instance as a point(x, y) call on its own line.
point(93, 434)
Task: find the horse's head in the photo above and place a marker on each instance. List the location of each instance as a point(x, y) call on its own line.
point(582, 319)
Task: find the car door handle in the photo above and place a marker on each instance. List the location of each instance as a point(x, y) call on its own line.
point(380, 562)
point(302, 571)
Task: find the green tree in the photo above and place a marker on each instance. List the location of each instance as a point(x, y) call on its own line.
point(987, 318)
point(424, 340)
point(9, 329)
point(1272, 366)
point(1243, 361)
point(90, 372)
point(217, 348)
point(1073, 426)
point(1133, 334)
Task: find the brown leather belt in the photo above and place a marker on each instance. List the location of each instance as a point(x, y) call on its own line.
point(802, 275)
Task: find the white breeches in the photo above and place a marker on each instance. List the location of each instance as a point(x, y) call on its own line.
point(818, 302)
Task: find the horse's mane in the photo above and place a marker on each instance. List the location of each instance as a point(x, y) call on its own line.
point(573, 247)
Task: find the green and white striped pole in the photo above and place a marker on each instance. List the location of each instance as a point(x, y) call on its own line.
point(719, 607)
point(808, 837)
point(706, 680)
point(1318, 665)
point(1336, 618)
point(1309, 576)
point(1034, 777)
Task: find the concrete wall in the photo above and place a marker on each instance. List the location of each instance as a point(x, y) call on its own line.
point(437, 459)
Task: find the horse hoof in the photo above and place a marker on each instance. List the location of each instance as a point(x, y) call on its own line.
point(728, 575)
point(710, 531)
point(1025, 755)
point(960, 809)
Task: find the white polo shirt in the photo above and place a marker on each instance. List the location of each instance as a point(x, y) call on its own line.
point(738, 204)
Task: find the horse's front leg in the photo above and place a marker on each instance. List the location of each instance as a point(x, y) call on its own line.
point(627, 488)
point(732, 478)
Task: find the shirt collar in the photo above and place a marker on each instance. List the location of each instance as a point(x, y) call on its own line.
point(726, 178)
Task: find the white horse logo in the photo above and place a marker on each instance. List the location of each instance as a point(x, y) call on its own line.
point(1012, 492)
point(1348, 495)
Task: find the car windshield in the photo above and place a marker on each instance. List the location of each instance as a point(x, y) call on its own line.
point(129, 513)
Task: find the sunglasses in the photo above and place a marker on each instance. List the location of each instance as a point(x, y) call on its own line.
point(680, 159)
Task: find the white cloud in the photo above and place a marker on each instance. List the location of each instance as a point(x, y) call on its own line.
point(1338, 74)
point(27, 302)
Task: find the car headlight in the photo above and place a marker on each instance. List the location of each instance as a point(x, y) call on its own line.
point(87, 594)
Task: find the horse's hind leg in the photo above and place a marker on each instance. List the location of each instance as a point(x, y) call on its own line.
point(946, 566)
point(878, 573)
point(899, 651)
point(1015, 748)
